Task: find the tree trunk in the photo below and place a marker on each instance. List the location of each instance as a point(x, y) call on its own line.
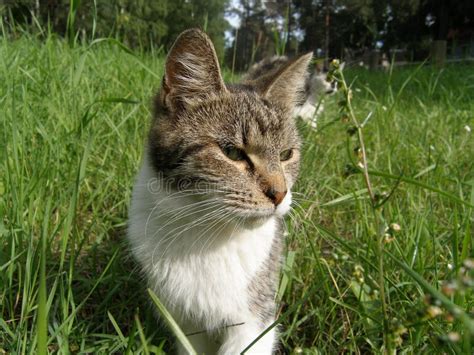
point(326, 40)
point(439, 46)
point(438, 53)
point(288, 29)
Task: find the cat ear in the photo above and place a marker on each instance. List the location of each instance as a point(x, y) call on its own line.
point(286, 85)
point(192, 73)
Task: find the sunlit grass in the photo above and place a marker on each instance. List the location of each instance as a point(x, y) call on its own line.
point(73, 124)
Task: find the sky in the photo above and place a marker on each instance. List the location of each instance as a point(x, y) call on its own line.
point(233, 20)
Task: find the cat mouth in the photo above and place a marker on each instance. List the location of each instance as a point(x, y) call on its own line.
point(260, 213)
point(264, 211)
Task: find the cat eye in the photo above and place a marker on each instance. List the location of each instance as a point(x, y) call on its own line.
point(286, 155)
point(234, 153)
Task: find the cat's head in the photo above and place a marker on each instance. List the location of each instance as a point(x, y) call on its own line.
point(319, 85)
point(238, 144)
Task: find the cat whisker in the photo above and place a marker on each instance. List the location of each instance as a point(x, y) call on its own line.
point(158, 203)
point(168, 239)
point(211, 237)
point(189, 226)
point(176, 212)
point(306, 200)
point(187, 212)
point(155, 207)
point(240, 221)
point(298, 210)
point(218, 221)
point(182, 214)
point(293, 217)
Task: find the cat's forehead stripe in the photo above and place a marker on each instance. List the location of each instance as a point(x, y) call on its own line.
point(260, 112)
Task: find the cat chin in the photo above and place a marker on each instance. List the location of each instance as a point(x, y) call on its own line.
point(254, 221)
point(285, 205)
point(251, 222)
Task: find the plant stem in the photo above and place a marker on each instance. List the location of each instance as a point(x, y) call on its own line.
point(377, 214)
point(360, 137)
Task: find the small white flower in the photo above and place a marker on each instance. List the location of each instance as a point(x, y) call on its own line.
point(454, 337)
point(467, 128)
point(432, 147)
point(395, 227)
point(450, 266)
point(384, 108)
point(434, 311)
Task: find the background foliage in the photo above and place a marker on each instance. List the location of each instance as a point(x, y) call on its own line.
point(332, 28)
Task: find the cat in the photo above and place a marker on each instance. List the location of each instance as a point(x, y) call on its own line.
point(310, 105)
point(205, 221)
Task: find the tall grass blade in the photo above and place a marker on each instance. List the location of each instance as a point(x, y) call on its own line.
point(141, 333)
point(71, 21)
point(172, 323)
point(42, 325)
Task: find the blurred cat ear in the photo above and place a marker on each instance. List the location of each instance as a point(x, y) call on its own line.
point(286, 85)
point(192, 73)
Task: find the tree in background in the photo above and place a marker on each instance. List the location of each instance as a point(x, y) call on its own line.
point(251, 39)
point(346, 29)
point(344, 24)
point(311, 22)
point(208, 15)
point(363, 25)
point(138, 23)
point(281, 17)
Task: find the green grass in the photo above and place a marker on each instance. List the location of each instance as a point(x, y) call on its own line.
point(73, 123)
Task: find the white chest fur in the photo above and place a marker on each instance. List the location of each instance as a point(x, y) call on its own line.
point(200, 270)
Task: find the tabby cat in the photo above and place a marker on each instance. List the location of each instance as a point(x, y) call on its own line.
point(205, 221)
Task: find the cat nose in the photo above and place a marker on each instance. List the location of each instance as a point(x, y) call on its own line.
point(275, 195)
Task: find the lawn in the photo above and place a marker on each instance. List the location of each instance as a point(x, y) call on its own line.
point(73, 123)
